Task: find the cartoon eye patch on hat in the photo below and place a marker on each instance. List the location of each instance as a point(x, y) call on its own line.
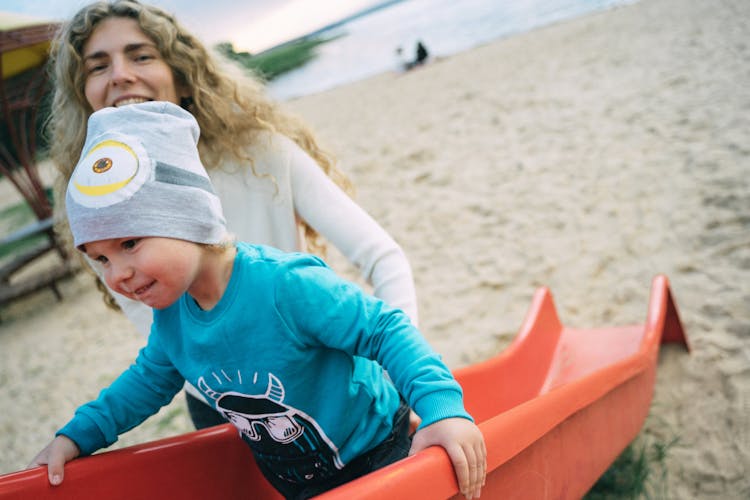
point(112, 171)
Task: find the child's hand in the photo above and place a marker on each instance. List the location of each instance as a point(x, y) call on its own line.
point(55, 454)
point(465, 446)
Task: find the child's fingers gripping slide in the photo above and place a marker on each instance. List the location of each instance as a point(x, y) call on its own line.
point(59, 451)
point(464, 443)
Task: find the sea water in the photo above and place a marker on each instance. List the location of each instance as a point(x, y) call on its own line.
point(368, 45)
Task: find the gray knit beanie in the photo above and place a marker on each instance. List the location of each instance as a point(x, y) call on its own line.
point(140, 175)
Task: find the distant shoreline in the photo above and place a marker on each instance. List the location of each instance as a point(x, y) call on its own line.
point(328, 27)
point(362, 52)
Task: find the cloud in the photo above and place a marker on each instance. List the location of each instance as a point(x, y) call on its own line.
point(293, 19)
point(251, 25)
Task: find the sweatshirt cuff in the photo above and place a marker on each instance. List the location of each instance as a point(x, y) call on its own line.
point(84, 432)
point(440, 405)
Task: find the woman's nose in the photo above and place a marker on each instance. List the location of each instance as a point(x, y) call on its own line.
point(121, 72)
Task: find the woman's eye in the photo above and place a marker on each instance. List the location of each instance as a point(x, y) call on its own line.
point(96, 68)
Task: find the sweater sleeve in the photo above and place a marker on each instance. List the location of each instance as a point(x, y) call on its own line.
point(321, 309)
point(150, 383)
point(331, 212)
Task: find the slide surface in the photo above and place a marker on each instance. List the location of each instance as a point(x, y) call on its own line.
point(556, 408)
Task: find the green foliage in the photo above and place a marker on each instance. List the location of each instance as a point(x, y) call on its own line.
point(15, 217)
point(276, 61)
point(639, 472)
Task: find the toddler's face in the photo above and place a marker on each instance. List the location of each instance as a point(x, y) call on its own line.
point(155, 271)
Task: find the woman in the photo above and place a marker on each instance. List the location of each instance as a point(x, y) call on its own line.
point(276, 185)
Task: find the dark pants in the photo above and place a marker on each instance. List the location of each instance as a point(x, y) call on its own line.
point(202, 414)
point(394, 447)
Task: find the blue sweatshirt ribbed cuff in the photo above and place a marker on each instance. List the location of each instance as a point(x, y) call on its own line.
point(84, 432)
point(439, 406)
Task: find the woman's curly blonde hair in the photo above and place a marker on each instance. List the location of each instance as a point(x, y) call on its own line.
point(230, 105)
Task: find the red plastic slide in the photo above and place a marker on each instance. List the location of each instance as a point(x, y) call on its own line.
point(556, 408)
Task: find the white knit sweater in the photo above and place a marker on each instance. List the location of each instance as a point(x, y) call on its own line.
point(263, 207)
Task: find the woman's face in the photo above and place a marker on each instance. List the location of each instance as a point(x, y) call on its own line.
point(123, 66)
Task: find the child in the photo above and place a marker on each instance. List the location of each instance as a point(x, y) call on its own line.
point(285, 350)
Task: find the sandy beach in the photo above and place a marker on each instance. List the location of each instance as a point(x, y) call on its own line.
point(587, 157)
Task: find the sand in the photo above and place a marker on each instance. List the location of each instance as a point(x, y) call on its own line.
point(587, 156)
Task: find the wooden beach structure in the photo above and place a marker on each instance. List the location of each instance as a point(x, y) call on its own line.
point(24, 48)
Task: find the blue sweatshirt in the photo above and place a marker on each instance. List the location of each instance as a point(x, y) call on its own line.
point(293, 356)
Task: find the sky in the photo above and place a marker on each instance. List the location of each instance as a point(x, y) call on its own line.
point(250, 25)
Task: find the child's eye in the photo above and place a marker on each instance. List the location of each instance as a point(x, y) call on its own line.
point(102, 259)
point(129, 244)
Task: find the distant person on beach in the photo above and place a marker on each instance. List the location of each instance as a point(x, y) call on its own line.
point(401, 62)
point(420, 56)
point(288, 352)
point(276, 184)
point(421, 53)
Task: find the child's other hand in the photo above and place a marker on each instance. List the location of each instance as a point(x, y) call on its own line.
point(55, 454)
point(465, 446)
